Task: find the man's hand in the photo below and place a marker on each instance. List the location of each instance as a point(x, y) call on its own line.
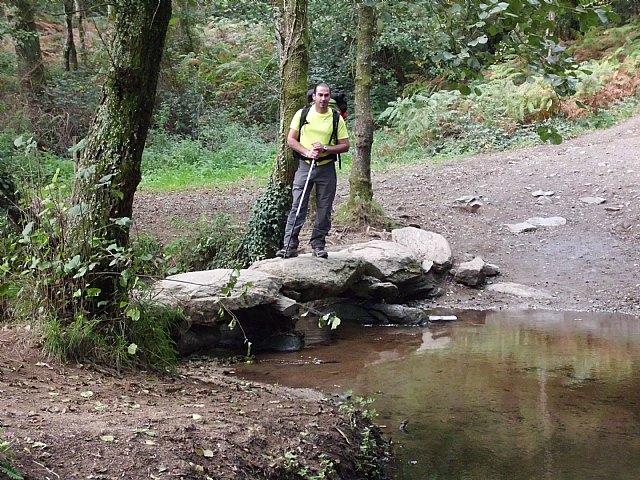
point(318, 148)
point(312, 154)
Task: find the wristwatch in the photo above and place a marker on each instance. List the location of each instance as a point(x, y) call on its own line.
point(325, 149)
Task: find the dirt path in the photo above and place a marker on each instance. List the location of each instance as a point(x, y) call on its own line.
point(591, 263)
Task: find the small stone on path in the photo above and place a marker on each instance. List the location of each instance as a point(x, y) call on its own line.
point(542, 193)
point(593, 200)
point(521, 227)
point(517, 290)
point(547, 221)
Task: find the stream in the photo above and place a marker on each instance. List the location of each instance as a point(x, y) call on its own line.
point(495, 395)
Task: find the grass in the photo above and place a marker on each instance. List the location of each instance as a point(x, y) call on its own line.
point(188, 177)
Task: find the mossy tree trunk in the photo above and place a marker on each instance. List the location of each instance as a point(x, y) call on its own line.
point(290, 18)
point(70, 54)
point(360, 203)
point(80, 17)
point(31, 73)
point(265, 228)
point(109, 167)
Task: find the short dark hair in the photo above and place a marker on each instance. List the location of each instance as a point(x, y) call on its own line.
point(321, 84)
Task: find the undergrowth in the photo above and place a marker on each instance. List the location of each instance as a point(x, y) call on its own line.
point(86, 292)
point(208, 245)
point(508, 110)
point(219, 151)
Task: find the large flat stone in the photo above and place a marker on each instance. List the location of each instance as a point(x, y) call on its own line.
point(432, 249)
point(200, 294)
point(314, 277)
point(387, 261)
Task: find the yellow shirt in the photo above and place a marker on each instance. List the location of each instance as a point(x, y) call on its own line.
point(318, 128)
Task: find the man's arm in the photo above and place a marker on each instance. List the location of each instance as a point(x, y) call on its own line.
point(292, 141)
point(341, 147)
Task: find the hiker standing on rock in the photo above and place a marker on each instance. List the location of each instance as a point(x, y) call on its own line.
point(317, 135)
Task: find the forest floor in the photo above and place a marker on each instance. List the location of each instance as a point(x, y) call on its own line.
point(80, 421)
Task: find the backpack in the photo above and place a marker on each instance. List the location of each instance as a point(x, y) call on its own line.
point(338, 101)
point(338, 106)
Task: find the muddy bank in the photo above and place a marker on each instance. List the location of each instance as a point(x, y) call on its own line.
point(81, 421)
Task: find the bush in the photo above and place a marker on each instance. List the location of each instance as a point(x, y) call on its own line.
point(212, 245)
point(53, 275)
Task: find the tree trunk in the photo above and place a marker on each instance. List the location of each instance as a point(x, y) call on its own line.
point(361, 191)
point(31, 74)
point(290, 18)
point(265, 228)
point(109, 168)
point(70, 54)
point(185, 26)
point(80, 16)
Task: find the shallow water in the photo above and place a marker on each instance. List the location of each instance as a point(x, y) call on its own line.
point(496, 395)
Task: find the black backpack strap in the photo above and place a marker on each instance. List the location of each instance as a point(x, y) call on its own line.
point(303, 119)
point(334, 134)
point(303, 122)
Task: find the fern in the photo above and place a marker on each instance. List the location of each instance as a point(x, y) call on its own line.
point(5, 464)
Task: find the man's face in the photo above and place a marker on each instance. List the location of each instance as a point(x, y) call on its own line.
point(322, 97)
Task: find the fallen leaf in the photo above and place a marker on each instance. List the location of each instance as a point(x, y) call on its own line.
point(86, 394)
point(107, 438)
point(149, 442)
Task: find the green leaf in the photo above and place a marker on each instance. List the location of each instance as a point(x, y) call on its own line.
point(106, 179)
point(122, 221)
point(19, 141)
point(72, 264)
point(81, 272)
point(93, 292)
point(464, 89)
point(78, 146)
point(133, 313)
point(602, 15)
point(549, 134)
point(28, 228)
point(75, 211)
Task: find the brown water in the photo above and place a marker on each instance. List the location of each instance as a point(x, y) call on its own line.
point(497, 395)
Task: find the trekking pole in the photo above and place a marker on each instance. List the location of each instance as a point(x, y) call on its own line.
point(304, 190)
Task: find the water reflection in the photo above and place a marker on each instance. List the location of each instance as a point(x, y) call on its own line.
point(531, 395)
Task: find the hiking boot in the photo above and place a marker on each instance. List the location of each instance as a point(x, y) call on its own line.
point(290, 253)
point(320, 252)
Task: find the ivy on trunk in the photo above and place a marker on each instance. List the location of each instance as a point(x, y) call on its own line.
point(265, 228)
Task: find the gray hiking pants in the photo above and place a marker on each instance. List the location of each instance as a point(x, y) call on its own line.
point(325, 180)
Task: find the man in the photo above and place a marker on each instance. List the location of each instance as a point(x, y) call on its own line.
point(312, 143)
